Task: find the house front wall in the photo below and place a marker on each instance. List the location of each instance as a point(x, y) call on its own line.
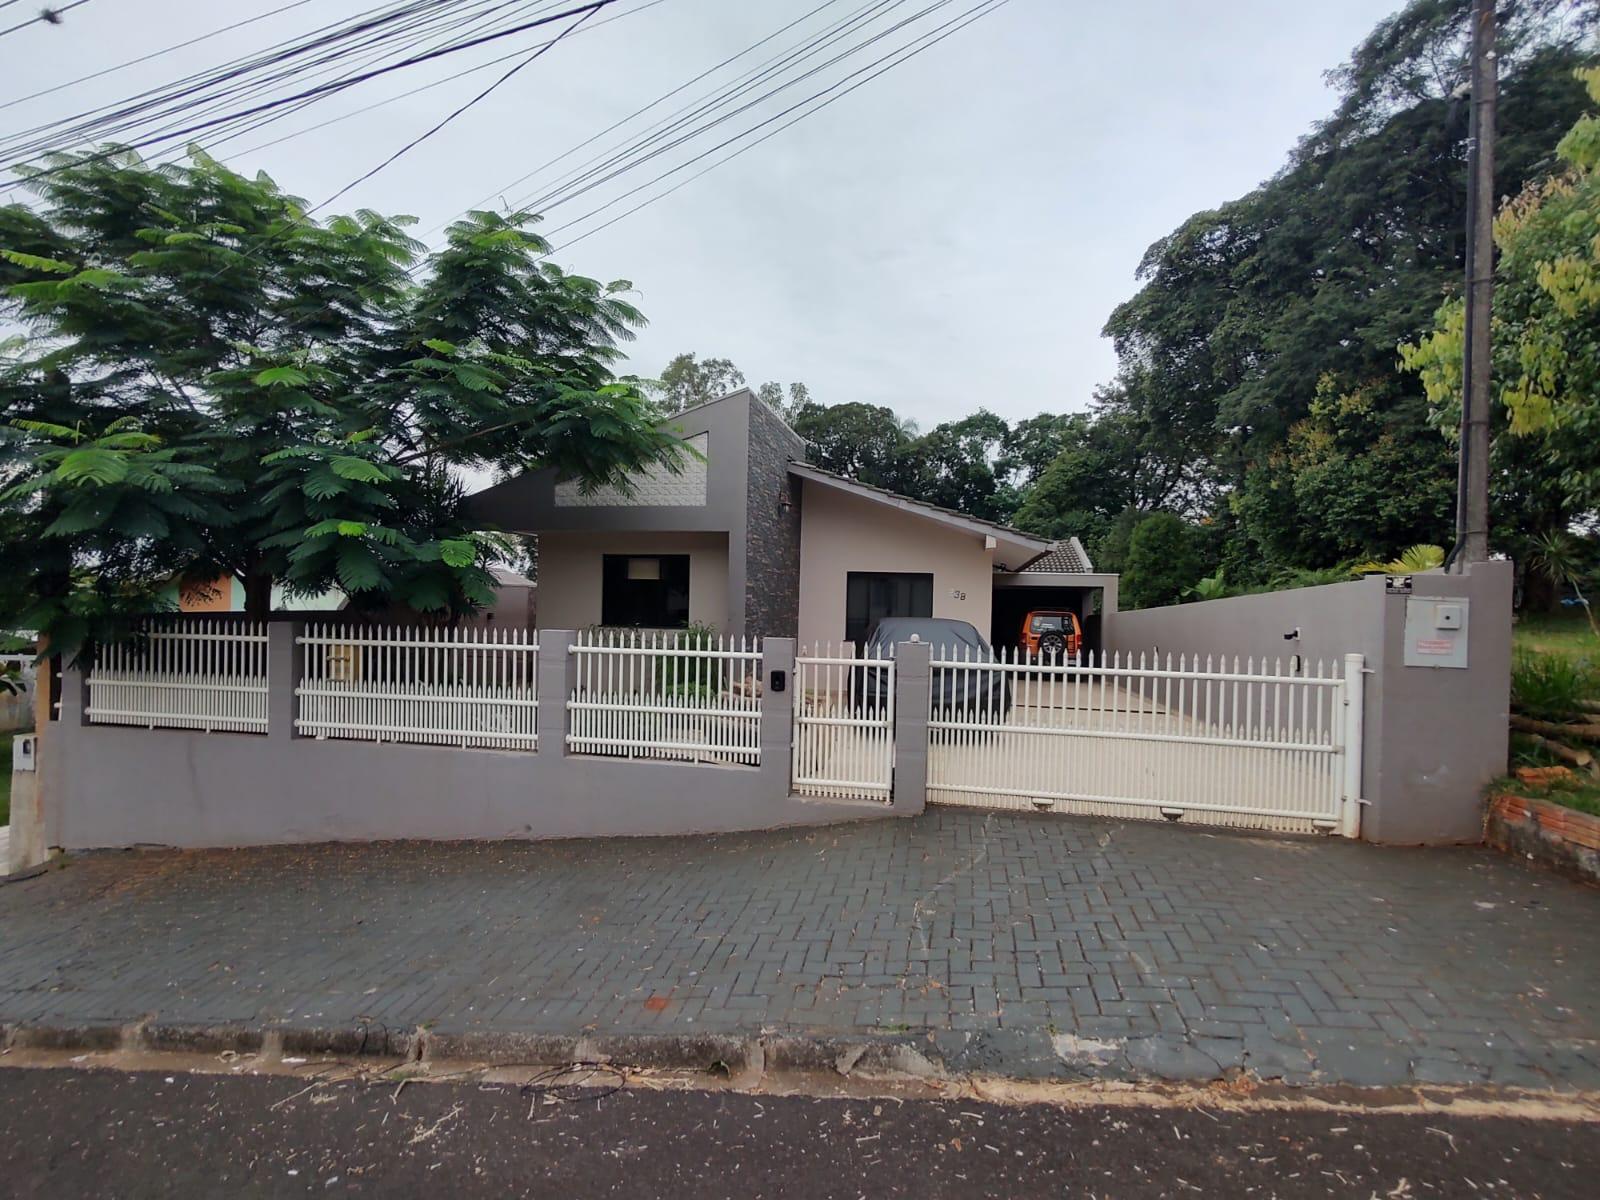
point(570, 571)
point(841, 533)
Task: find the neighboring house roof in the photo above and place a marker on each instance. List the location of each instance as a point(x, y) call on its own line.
point(1011, 545)
point(506, 577)
point(1064, 557)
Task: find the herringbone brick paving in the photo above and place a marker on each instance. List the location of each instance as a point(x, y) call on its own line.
point(1013, 942)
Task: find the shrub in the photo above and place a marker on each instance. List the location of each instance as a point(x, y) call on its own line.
point(1163, 560)
point(1551, 687)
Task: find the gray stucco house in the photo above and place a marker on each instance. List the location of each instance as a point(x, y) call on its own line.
point(752, 539)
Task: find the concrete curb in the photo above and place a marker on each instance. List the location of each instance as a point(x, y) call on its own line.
point(942, 1055)
point(709, 1052)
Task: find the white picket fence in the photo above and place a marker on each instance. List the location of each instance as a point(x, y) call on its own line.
point(428, 685)
point(183, 675)
point(843, 725)
point(664, 695)
point(1244, 743)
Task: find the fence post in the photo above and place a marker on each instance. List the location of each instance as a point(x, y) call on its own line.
point(777, 708)
point(1354, 710)
point(913, 679)
point(284, 660)
point(557, 673)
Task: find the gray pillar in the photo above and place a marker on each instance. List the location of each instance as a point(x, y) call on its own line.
point(777, 708)
point(912, 708)
point(558, 675)
point(283, 677)
point(74, 695)
point(28, 846)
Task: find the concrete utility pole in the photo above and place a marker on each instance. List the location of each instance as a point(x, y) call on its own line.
point(1472, 483)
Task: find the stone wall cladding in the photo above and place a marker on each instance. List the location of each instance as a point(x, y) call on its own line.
point(772, 542)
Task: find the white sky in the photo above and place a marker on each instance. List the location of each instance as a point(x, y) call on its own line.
point(951, 235)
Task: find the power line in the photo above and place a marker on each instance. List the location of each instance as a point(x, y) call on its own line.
point(332, 87)
point(50, 16)
point(100, 121)
point(147, 57)
point(420, 138)
point(638, 112)
point(975, 13)
point(410, 92)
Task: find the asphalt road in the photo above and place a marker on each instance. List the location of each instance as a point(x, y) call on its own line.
point(68, 1132)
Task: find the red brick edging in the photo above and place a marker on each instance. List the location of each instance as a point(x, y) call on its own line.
point(1553, 834)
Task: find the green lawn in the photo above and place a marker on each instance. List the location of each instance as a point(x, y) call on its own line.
point(1565, 632)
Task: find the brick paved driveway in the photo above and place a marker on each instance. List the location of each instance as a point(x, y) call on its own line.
point(1038, 945)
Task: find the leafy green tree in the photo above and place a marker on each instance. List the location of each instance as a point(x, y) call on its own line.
point(786, 405)
point(1546, 349)
point(953, 465)
point(1363, 472)
point(686, 382)
point(210, 381)
point(1163, 561)
point(862, 441)
point(1245, 310)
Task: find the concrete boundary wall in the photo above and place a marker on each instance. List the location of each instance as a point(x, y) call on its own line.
point(1433, 738)
point(108, 785)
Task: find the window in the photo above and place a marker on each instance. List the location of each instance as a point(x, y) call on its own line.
point(645, 591)
point(872, 596)
point(1047, 623)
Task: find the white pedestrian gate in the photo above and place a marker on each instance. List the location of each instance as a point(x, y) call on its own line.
point(1220, 742)
point(843, 725)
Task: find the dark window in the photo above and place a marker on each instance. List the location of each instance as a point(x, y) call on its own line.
point(870, 597)
point(650, 591)
point(1047, 623)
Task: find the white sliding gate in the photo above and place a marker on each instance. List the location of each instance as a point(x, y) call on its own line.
point(1241, 743)
point(843, 725)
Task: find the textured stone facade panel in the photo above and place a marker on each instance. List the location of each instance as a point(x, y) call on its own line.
point(655, 487)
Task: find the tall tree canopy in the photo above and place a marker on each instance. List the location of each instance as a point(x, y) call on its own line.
point(211, 381)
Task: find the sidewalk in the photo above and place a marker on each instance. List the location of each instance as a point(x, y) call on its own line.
point(1019, 944)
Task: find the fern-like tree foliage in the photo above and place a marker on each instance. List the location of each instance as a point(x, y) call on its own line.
point(210, 381)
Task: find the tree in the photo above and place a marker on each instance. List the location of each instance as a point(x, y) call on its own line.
point(1546, 348)
point(1362, 473)
point(861, 441)
point(685, 383)
point(772, 394)
point(953, 465)
point(213, 382)
point(1247, 311)
point(1163, 562)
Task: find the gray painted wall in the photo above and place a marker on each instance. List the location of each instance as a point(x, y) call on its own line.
point(110, 785)
point(526, 504)
point(1433, 738)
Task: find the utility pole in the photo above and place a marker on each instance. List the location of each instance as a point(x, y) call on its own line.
point(1472, 482)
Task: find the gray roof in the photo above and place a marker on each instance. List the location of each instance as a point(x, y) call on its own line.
point(1065, 557)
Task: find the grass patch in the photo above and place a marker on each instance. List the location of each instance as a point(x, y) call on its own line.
point(1566, 633)
point(1574, 792)
point(1552, 686)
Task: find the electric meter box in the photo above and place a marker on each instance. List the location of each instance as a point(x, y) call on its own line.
point(1436, 631)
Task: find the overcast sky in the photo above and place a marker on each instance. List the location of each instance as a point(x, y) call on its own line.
point(949, 236)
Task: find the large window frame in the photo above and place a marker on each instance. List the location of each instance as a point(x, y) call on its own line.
point(644, 591)
point(872, 596)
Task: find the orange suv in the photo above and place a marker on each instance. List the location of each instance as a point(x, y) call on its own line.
point(1052, 635)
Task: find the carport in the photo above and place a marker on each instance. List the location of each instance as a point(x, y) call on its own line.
point(1063, 578)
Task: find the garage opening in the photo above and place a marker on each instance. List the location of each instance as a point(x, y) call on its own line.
point(1013, 604)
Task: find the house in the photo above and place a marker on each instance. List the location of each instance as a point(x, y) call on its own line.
point(751, 539)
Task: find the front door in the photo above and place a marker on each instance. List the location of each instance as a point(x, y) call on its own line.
point(870, 596)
